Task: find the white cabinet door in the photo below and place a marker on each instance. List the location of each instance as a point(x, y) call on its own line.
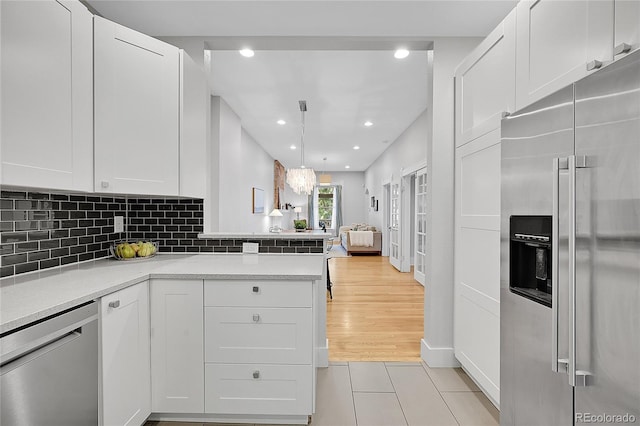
point(477, 261)
point(47, 75)
point(136, 112)
point(177, 364)
point(485, 83)
point(557, 42)
point(125, 363)
point(627, 27)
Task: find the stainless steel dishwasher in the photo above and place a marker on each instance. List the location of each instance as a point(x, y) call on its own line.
point(49, 370)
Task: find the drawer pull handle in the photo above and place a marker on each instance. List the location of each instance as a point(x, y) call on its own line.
point(114, 304)
point(594, 65)
point(621, 48)
point(256, 374)
point(256, 317)
point(256, 289)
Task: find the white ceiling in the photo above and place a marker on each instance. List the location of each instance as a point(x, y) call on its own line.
point(336, 55)
point(343, 89)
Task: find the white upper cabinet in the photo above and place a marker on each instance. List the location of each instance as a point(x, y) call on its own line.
point(559, 42)
point(485, 83)
point(47, 70)
point(136, 83)
point(627, 27)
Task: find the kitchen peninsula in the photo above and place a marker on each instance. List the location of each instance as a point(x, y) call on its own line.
point(245, 331)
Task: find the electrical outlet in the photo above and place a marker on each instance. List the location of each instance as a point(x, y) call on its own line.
point(118, 224)
point(250, 247)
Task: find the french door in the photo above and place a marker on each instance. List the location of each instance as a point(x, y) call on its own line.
point(420, 257)
point(394, 226)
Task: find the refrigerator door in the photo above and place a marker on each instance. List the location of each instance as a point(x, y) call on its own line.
point(530, 392)
point(607, 116)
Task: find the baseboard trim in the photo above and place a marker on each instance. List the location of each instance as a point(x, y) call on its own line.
point(438, 357)
point(322, 355)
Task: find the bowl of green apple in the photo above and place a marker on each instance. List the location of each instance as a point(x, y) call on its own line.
point(139, 250)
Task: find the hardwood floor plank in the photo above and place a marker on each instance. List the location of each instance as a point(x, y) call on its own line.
point(376, 314)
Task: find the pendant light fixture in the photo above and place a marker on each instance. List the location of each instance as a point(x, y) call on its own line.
point(325, 178)
point(301, 180)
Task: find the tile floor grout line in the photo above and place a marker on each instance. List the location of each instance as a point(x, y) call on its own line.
point(439, 393)
point(396, 394)
point(353, 400)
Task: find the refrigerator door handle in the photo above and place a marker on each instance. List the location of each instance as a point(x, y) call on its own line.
point(576, 377)
point(557, 364)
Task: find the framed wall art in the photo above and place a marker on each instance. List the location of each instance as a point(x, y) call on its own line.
point(258, 201)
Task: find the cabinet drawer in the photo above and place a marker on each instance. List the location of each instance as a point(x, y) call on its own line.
point(258, 293)
point(258, 389)
point(263, 335)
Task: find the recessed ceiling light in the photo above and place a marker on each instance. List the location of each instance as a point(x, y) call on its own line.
point(356, 147)
point(281, 122)
point(368, 123)
point(292, 147)
point(401, 53)
point(247, 53)
point(347, 166)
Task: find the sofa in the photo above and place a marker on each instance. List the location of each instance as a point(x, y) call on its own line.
point(345, 239)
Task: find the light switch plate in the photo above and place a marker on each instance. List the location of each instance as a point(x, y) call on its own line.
point(250, 247)
point(118, 224)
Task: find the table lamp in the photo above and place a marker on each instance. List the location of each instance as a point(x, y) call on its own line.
point(275, 224)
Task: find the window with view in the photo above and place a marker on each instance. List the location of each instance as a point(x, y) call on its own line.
point(325, 206)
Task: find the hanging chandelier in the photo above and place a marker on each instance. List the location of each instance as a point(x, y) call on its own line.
point(301, 180)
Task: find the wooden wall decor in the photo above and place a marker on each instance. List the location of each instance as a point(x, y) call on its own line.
point(278, 184)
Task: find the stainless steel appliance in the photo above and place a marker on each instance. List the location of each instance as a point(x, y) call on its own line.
point(574, 158)
point(49, 371)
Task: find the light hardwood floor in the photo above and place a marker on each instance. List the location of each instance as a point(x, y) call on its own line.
point(376, 313)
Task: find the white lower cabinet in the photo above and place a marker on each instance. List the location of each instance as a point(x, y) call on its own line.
point(125, 358)
point(177, 364)
point(258, 347)
point(258, 389)
point(273, 335)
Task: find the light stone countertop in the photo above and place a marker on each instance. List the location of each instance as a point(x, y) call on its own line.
point(285, 234)
point(29, 297)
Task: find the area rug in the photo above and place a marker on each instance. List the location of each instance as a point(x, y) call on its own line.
point(337, 251)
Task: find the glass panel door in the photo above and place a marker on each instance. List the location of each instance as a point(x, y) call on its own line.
point(394, 228)
point(420, 258)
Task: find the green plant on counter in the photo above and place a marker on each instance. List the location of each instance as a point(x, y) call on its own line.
point(300, 223)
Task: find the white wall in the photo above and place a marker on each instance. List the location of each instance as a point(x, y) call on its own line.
point(353, 199)
point(409, 150)
point(437, 345)
point(238, 165)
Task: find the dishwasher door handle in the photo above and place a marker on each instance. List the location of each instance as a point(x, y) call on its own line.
point(29, 355)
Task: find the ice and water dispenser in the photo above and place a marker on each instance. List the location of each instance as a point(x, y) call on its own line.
point(530, 257)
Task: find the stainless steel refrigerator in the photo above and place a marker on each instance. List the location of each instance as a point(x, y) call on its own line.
point(570, 254)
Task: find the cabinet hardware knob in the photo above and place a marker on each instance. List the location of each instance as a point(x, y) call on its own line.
point(114, 304)
point(104, 184)
point(256, 289)
point(256, 374)
point(594, 65)
point(256, 317)
point(621, 48)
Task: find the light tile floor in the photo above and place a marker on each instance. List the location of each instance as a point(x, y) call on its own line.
point(394, 394)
